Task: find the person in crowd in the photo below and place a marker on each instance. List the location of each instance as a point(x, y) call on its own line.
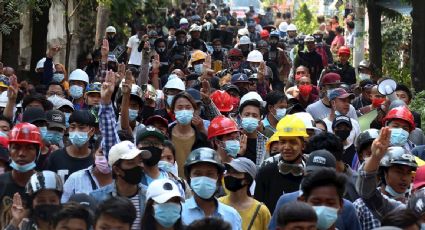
point(209, 223)
point(310, 59)
point(73, 216)
point(276, 104)
point(133, 44)
point(404, 219)
point(115, 213)
point(226, 138)
point(363, 146)
point(405, 94)
point(92, 94)
point(342, 126)
point(343, 67)
point(401, 122)
point(364, 99)
point(55, 88)
point(367, 70)
point(78, 81)
point(338, 41)
point(296, 215)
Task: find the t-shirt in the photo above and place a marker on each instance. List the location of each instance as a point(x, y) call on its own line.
point(183, 148)
point(251, 149)
point(137, 222)
point(135, 56)
point(318, 111)
point(262, 218)
point(8, 188)
point(64, 165)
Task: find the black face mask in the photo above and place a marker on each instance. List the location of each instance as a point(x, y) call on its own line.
point(156, 155)
point(342, 134)
point(45, 212)
point(133, 176)
point(233, 184)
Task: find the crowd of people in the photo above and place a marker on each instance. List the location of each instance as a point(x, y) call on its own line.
point(211, 122)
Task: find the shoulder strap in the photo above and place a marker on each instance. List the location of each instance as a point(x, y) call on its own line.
point(254, 216)
point(93, 184)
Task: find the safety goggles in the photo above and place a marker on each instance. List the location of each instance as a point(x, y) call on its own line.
point(294, 169)
point(94, 87)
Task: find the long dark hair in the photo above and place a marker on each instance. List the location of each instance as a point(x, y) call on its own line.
point(149, 222)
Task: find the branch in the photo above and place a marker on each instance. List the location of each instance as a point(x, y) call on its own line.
point(75, 9)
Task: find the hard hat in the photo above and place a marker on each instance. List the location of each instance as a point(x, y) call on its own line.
point(291, 27)
point(195, 28)
point(93, 87)
point(196, 18)
point(291, 126)
point(270, 141)
point(264, 33)
point(243, 32)
point(234, 52)
point(283, 27)
point(275, 34)
point(162, 190)
point(79, 75)
point(25, 133)
point(344, 50)
point(402, 113)
point(397, 155)
point(417, 200)
point(251, 96)
point(308, 120)
point(174, 82)
point(309, 38)
point(110, 29)
point(183, 21)
point(221, 125)
point(255, 56)
point(364, 64)
point(202, 155)
point(244, 40)
point(44, 180)
point(198, 55)
point(366, 137)
point(222, 100)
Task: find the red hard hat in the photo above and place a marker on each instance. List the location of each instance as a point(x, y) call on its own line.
point(344, 50)
point(235, 53)
point(221, 125)
point(264, 34)
point(222, 100)
point(25, 133)
point(402, 113)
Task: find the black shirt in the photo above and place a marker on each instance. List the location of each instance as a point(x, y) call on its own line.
point(251, 149)
point(64, 165)
point(348, 155)
point(8, 187)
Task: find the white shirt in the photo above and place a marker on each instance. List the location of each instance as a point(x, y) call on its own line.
point(135, 56)
point(318, 111)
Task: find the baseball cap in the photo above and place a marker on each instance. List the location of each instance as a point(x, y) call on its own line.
point(59, 102)
point(156, 119)
point(419, 180)
point(33, 114)
point(341, 120)
point(149, 131)
point(84, 117)
point(319, 159)
point(244, 165)
point(55, 119)
point(126, 150)
point(162, 190)
point(196, 95)
point(340, 93)
point(85, 200)
point(330, 79)
point(239, 77)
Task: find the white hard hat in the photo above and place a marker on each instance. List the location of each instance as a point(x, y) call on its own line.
point(291, 27)
point(110, 29)
point(252, 96)
point(195, 27)
point(174, 82)
point(162, 190)
point(243, 32)
point(42, 181)
point(255, 56)
point(283, 26)
point(309, 38)
point(3, 99)
point(184, 21)
point(308, 121)
point(244, 40)
point(79, 75)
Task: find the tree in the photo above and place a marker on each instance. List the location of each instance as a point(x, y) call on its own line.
point(305, 21)
point(418, 45)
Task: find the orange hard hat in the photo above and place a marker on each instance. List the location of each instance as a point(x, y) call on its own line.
point(221, 125)
point(25, 133)
point(344, 50)
point(264, 34)
point(402, 113)
point(223, 100)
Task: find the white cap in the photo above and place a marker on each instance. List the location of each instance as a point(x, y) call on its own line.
point(244, 40)
point(309, 38)
point(184, 21)
point(3, 99)
point(79, 75)
point(110, 29)
point(243, 31)
point(58, 102)
point(255, 56)
point(283, 26)
point(308, 121)
point(291, 27)
point(174, 82)
point(126, 150)
point(195, 27)
point(162, 190)
point(252, 96)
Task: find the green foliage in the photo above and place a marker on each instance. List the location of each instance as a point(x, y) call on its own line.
point(305, 21)
point(418, 105)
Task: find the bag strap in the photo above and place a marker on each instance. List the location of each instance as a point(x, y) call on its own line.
point(254, 216)
point(93, 184)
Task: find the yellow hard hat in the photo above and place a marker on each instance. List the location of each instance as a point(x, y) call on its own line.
point(198, 55)
point(291, 126)
point(272, 139)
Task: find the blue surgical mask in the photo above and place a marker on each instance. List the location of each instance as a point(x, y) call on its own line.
point(364, 76)
point(203, 186)
point(398, 137)
point(76, 91)
point(280, 113)
point(232, 147)
point(78, 138)
point(67, 115)
point(168, 167)
point(326, 216)
point(170, 99)
point(184, 117)
point(54, 137)
point(132, 114)
point(43, 132)
point(250, 124)
point(58, 77)
point(22, 168)
point(393, 193)
point(167, 214)
point(423, 226)
point(198, 68)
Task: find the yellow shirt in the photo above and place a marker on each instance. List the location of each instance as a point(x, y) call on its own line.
point(261, 220)
point(183, 149)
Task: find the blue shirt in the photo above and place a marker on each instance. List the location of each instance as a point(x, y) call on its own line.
point(192, 212)
point(347, 220)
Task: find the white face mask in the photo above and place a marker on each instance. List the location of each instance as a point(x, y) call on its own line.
point(364, 76)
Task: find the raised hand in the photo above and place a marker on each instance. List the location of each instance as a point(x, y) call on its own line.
point(12, 91)
point(207, 63)
point(126, 85)
point(105, 48)
point(205, 91)
point(156, 62)
point(243, 143)
point(108, 87)
point(18, 211)
point(53, 51)
point(380, 144)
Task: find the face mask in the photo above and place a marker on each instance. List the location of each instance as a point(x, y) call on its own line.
point(398, 137)
point(233, 184)
point(78, 138)
point(280, 113)
point(249, 124)
point(217, 48)
point(58, 77)
point(305, 90)
point(133, 176)
point(170, 99)
point(423, 226)
point(326, 216)
point(376, 102)
point(53, 137)
point(155, 155)
point(102, 164)
point(342, 134)
point(76, 91)
point(184, 117)
point(43, 132)
point(4, 134)
point(337, 113)
point(168, 167)
point(364, 76)
point(393, 193)
point(45, 212)
point(167, 214)
point(203, 186)
point(22, 168)
point(198, 68)
point(232, 147)
point(161, 50)
point(132, 114)
point(67, 115)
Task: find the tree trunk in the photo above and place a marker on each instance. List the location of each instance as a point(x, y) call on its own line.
point(68, 34)
point(418, 45)
point(375, 39)
point(103, 13)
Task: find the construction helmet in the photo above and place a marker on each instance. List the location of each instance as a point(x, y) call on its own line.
point(222, 100)
point(272, 139)
point(174, 82)
point(245, 40)
point(79, 75)
point(111, 29)
point(402, 113)
point(243, 32)
point(251, 96)
point(364, 64)
point(308, 121)
point(202, 155)
point(291, 126)
point(275, 33)
point(44, 180)
point(283, 27)
point(344, 50)
point(221, 125)
point(397, 155)
point(195, 28)
point(291, 27)
point(234, 52)
point(264, 34)
point(197, 56)
point(366, 137)
point(25, 133)
point(255, 56)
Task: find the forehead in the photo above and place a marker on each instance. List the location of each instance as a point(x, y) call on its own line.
point(203, 167)
point(251, 109)
point(398, 122)
point(326, 192)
